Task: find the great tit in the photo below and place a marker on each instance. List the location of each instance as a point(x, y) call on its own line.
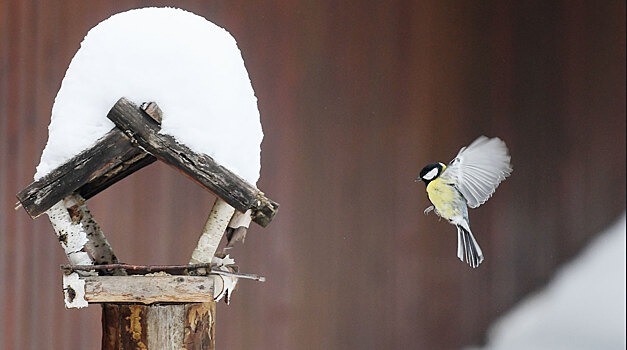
point(467, 181)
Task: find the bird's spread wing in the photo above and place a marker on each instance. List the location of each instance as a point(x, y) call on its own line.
point(478, 169)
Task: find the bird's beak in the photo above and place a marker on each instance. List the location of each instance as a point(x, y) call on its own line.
point(418, 179)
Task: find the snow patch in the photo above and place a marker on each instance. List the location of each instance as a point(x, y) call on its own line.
point(582, 308)
point(191, 67)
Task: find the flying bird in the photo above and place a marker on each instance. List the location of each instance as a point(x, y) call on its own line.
point(469, 180)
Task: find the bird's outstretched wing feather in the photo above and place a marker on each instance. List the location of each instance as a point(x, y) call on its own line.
point(478, 169)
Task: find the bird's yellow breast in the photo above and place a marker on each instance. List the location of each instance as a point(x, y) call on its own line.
point(445, 198)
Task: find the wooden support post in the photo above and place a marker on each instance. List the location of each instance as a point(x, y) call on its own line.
point(70, 234)
point(210, 238)
point(97, 246)
point(173, 326)
point(212, 233)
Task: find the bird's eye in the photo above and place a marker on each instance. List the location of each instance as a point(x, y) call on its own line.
point(431, 174)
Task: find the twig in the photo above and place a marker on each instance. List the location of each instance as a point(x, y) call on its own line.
point(249, 276)
point(160, 268)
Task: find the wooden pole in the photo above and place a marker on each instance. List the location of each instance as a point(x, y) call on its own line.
point(173, 326)
point(97, 246)
point(212, 232)
point(71, 234)
point(183, 325)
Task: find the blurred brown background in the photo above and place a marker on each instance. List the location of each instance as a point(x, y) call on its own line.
point(355, 98)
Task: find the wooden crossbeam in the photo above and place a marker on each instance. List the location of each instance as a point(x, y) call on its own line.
point(97, 167)
point(110, 160)
point(132, 145)
point(201, 168)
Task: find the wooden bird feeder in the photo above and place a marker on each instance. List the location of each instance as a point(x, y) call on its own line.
point(154, 307)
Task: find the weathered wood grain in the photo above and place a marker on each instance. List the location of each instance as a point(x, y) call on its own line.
point(149, 289)
point(111, 159)
point(172, 326)
point(201, 168)
point(127, 165)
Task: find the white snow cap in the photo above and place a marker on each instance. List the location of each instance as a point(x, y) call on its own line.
point(191, 67)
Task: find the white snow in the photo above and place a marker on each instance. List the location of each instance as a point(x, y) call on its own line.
point(192, 68)
point(582, 308)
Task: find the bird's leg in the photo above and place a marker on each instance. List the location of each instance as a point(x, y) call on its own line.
point(429, 209)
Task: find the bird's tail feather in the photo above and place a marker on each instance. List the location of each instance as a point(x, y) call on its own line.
point(467, 247)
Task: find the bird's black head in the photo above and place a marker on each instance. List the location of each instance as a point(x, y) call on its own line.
point(430, 172)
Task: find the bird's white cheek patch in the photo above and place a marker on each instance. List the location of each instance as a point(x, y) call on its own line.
point(431, 174)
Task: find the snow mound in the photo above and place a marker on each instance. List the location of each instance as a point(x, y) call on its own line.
point(582, 308)
point(191, 67)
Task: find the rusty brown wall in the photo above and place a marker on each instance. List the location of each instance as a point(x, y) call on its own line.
point(355, 97)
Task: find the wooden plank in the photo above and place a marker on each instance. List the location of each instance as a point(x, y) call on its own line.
point(201, 168)
point(111, 159)
point(149, 289)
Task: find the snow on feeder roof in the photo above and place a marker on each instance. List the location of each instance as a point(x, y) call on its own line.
point(189, 66)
